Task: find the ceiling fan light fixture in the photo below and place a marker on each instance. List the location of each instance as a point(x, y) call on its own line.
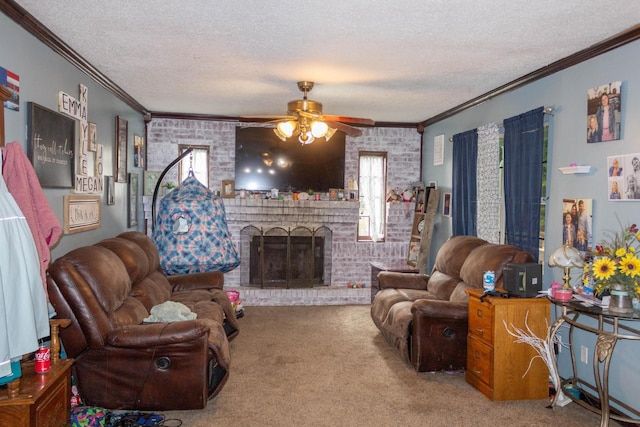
point(279, 134)
point(287, 128)
point(329, 134)
point(319, 129)
point(306, 138)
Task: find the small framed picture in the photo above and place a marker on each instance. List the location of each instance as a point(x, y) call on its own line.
point(228, 189)
point(433, 184)
point(122, 132)
point(132, 200)
point(414, 253)
point(420, 199)
point(446, 205)
point(138, 151)
point(333, 194)
point(110, 190)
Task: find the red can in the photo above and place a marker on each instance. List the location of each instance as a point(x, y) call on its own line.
point(42, 360)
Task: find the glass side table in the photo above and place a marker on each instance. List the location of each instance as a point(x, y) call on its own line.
point(609, 331)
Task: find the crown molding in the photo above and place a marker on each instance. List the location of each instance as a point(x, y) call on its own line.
point(42, 33)
point(604, 46)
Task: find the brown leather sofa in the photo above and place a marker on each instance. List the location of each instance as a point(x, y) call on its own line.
point(107, 289)
point(425, 316)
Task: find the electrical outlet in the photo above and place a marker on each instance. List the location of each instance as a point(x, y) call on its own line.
point(584, 354)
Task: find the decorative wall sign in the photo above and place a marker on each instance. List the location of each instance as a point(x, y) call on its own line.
point(93, 136)
point(81, 213)
point(51, 143)
point(438, 150)
point(122, 133)
point(132, 200)
point(99, 159)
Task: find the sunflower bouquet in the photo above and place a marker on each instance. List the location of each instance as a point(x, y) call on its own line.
point(616, 262)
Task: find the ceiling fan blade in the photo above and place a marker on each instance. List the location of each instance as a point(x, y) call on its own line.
point(349, 130)
point(269, 117)
point(356, 120)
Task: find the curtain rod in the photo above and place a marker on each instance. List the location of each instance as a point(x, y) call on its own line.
point(547, 110)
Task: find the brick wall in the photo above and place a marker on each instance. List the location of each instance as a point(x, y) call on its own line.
point(403, 168)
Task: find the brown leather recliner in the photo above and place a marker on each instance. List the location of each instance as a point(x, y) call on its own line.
point(107, 289)
point(425, 316)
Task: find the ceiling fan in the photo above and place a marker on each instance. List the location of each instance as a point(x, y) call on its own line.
point(305, 120)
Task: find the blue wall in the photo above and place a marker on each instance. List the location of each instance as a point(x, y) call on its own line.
point(43, 73)
point(566, 91)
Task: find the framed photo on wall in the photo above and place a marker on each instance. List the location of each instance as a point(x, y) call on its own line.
point(577, 220)
point(110, 190)
point(122, 132)
point(138, 151)
point(604, 112)
point(132, 200)
point(228, 189)
point(446, 205)
point(623, 177)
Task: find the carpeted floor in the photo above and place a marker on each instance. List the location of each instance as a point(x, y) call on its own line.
point(329, 366)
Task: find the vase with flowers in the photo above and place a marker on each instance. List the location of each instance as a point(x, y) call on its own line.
point(616, 268)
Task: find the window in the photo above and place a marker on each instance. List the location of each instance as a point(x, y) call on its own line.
point(197, 160)
point(372, 182)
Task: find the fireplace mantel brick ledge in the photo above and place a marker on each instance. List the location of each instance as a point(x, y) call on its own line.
point(291, 212)
point(341, 217)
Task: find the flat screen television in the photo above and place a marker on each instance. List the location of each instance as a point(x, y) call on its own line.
point(263, 162)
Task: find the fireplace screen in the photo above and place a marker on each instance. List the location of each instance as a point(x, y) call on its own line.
point(280, 258)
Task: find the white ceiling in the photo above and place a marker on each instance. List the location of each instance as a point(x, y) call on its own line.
point(395, 60)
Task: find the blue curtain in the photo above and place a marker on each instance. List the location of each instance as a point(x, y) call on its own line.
point(523, 151)
point(464, 203)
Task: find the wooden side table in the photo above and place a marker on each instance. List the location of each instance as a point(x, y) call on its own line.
point(397, 266)
point(43, 400)
point(40, 400)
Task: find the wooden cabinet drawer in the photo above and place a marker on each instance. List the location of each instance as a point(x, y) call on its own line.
point(53, 412)
point(479, 360)
point(480, 320)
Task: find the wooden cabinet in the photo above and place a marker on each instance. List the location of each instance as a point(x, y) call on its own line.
point(495, 363)
point(43, 400)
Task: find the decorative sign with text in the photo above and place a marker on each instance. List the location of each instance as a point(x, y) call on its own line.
point(51, 146)
point(84, 183)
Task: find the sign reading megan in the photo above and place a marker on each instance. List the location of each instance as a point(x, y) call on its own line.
point(51, 146)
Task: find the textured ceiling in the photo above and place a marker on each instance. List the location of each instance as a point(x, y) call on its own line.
point(399, 61)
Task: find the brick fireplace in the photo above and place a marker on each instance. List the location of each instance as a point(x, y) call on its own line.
point(334, 222)
point(329, 226)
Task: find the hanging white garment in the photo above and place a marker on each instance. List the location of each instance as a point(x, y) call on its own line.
point(23, 303)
